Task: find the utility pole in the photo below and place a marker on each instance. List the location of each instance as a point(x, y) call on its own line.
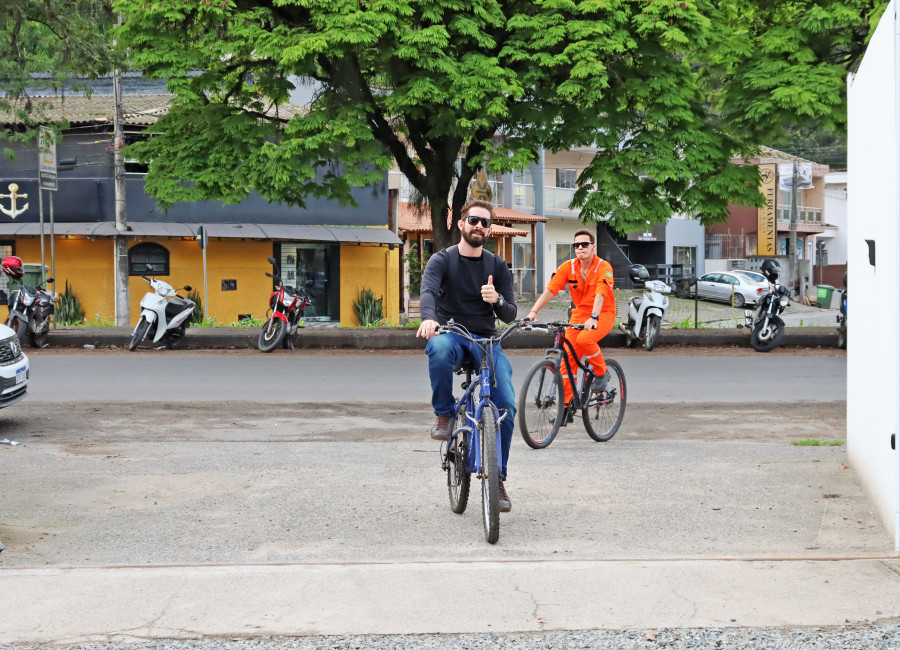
point(123, 315)
point(792, 242)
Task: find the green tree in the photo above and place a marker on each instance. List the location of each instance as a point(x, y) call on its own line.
point(47, 46)
point(668, 91)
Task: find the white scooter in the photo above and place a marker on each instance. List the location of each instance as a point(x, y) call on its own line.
point(645, 312)
point(164, 312)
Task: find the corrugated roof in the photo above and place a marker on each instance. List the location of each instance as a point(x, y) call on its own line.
point(292, 232)
point(99, 109)
point(412, 220)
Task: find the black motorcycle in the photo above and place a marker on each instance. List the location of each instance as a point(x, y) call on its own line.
point(842, 318)
point(765, 325)
point(30, 309)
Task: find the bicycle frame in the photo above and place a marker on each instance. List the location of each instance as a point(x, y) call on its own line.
point(474, 411)
point(579, 397)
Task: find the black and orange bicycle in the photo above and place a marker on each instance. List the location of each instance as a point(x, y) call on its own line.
point(542, 409)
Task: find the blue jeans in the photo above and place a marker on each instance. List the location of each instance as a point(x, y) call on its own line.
point(445, 354)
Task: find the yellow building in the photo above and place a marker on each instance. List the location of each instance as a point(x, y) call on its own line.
point(333, 272)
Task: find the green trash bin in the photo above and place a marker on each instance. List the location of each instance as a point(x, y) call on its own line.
point(823, 300)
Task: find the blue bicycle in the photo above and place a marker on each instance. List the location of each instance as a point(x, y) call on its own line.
point(475, 441)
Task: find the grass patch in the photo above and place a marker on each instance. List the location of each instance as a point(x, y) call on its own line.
point(812, 442)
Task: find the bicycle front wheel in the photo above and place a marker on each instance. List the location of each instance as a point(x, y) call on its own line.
point(490, 476)
point(604, 411)
point(541, 404)
point(458, 477)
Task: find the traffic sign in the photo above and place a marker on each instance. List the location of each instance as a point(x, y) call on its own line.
point(47, 159)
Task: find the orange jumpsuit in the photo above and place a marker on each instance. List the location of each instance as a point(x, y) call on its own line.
point(583, 291)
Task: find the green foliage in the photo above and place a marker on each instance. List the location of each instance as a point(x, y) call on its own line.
point(817, 443)
point(196, 317)
point(685, 323)
point(68, 309)
point(96, 321)
point(666, 92)
point(60, 40)
point(416, 268)
point(368, 309)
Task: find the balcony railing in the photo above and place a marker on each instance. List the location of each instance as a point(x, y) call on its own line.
point(523, 196)
point(408, 192)
point(805, 215)
point(558, 199)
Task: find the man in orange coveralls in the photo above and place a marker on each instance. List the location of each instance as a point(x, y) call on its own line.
point(590, 283)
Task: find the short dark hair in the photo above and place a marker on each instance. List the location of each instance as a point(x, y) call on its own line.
point(477, 203)
point(584, 231)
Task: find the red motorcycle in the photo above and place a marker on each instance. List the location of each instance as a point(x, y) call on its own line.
point(286, 306)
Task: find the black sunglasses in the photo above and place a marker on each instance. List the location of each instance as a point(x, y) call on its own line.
point(485, 221)
point(582, 244)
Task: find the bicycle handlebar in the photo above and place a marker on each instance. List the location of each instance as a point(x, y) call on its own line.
point(462, 331)
point(556, 323)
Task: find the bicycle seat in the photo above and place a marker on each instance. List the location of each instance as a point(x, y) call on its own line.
point(468, 365)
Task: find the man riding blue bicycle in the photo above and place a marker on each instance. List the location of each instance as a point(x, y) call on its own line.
point(473, 287)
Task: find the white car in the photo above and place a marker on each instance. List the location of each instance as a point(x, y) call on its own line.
point(13, 368)
point(742, 285)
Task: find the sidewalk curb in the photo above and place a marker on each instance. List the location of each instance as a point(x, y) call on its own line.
point(395, 338)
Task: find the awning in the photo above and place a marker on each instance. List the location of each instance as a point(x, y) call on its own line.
point(291, 232)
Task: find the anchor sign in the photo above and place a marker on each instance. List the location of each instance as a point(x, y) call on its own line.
point(13, 195)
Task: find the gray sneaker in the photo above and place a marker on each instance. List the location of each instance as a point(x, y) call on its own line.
point(441, 428)
point(504, 502)
point(599, 383)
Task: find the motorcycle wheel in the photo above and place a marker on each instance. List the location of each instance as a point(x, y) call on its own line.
point(272, 334)
point(18, 326)
point(139, 333)
point(769, 344)
point(842, 339)
point(173, 342)
point(39, 339)
point(652, 332)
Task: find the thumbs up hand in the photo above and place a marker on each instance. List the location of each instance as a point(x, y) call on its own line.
point(488, 292)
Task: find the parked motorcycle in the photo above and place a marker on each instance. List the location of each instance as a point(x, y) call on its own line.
point(765, 325)
point(645, 312)
point(286, 306)
point(30, 308)
point(164, 314)
point(842, 318)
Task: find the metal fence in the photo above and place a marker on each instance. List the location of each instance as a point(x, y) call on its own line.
point(723, 247)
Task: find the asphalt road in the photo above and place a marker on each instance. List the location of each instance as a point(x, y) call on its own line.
point(238, 376)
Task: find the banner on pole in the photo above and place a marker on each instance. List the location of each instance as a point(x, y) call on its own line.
point(47, 159)
point(766, 219)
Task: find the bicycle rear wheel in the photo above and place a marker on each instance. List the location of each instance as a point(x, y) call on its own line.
point(490, 475)
point(541, 404)
point(604, 411)
point(458, 477)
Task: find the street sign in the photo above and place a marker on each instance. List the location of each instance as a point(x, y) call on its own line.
point(202, 237)
point(47, 159)
point(482, 189)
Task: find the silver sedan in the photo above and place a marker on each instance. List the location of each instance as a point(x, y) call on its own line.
point(722, 286)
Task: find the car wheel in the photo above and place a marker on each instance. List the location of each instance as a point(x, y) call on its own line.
point(739, 300)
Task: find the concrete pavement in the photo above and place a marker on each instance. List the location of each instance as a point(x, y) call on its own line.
point(66, 606)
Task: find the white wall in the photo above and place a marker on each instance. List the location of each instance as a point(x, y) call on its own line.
point(873, 357)
point(836, 215)
point(686, 232)
point(559, 230)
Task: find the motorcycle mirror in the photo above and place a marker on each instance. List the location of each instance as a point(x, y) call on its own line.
point(48, 280)
point(187, 287)
point(272, 260)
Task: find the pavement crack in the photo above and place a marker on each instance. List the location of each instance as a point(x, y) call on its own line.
point(535, 612)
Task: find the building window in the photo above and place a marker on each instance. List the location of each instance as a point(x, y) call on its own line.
point(564, 252)
point(686, 255)
point(566, 178)
point(143, 254)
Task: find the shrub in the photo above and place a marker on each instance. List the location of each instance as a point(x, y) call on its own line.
point(368, 309)
point(69, 310)
point(196, 317)
point(416, 269)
